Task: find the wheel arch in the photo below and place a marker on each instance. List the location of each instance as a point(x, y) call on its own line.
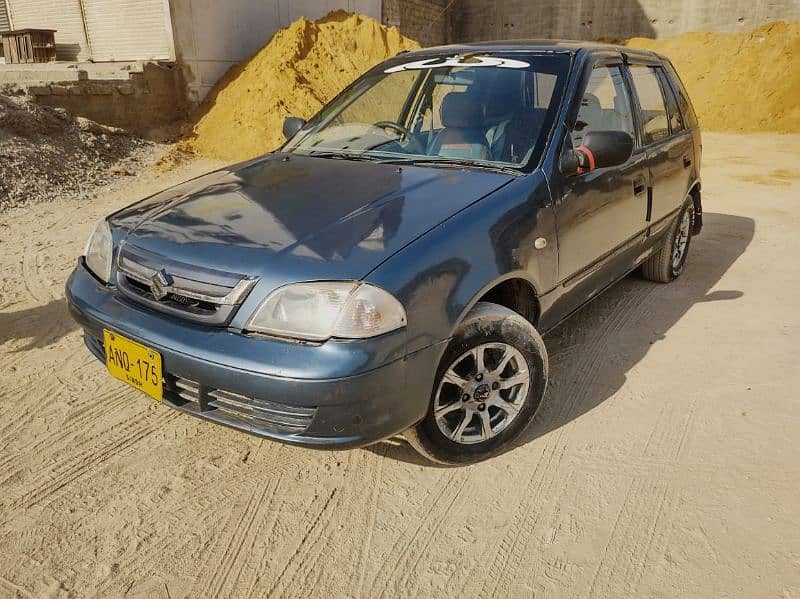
point(513, 291)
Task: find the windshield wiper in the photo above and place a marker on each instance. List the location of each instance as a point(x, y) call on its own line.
point(452, 163)
point(342, 155)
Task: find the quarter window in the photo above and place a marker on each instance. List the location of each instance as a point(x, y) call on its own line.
point(605, 105)
point(683, 99)
point(675, 119)
point(655, 122)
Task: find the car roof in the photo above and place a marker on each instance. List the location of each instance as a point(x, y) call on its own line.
point(533, 45)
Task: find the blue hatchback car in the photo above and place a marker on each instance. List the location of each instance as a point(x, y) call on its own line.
point(393, 266)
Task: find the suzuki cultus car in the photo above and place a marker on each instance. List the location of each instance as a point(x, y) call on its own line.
point(393, 267)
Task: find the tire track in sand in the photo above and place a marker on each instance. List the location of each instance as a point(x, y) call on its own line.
point(244, 529)
point(366, 547)
point(259, 502)
point(637, 528)
point(78, 465)
point(74, 425)
point(415, 540)
point(302, 559)
point(511, 551)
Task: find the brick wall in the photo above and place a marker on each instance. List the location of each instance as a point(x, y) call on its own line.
point(422, 20)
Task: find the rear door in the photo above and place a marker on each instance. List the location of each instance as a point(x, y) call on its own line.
point(667, 141)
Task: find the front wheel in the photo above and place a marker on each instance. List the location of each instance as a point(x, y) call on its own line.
point(666, 264)
point(489, 385)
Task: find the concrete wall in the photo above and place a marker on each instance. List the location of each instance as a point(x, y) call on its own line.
point(141, 103)
point(423, 20)
point(610, 19)
point(211, 36)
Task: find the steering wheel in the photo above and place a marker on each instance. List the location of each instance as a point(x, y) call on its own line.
point(405, 135)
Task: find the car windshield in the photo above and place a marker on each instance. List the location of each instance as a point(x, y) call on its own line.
point(482, 110)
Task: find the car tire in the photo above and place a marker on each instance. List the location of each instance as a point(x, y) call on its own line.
point(477, 409)
point(666, 264)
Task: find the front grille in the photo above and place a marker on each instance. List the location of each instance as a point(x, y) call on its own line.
point(188, 390)
point(257, 416)
point(261, 413)
point(191, 292)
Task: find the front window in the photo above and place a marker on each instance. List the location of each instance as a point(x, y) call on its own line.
point(493, 111)
point(605, 105)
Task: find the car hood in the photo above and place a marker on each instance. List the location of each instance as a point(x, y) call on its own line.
point(291, 218)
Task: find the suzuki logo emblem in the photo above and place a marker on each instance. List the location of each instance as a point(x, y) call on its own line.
point(160, 283)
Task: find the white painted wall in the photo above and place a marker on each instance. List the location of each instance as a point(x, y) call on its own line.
point(211, 36)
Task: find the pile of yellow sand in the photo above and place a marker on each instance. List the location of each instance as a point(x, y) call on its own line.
point(739, 81)
point(296, 73)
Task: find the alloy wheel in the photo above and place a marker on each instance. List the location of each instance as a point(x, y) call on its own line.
point(481, 393)
point(681, 240)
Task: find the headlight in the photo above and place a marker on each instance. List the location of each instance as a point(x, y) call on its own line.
point(98, 251)
point(319, 311)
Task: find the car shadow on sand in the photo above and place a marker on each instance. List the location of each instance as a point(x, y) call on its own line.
point(624, 322)
point(39, 326)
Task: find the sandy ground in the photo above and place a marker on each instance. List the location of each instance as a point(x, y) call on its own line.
point(665, 462)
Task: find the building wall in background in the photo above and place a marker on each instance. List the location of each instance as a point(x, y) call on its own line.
point(211, 36)
point(423, 20)
point(610, 19)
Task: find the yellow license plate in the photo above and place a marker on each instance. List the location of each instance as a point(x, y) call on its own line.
point(135, 364)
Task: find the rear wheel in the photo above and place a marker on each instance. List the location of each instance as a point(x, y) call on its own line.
point(489, 384)
point(667, 263)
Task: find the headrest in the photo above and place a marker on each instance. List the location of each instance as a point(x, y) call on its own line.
point(461, 110)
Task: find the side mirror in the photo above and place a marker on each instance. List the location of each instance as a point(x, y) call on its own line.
point(291, 125)
point(600, 149)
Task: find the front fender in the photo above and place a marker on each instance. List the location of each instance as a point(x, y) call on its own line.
point(441, 275)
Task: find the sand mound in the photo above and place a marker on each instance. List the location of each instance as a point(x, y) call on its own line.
point(296, 73)
point(739, 81)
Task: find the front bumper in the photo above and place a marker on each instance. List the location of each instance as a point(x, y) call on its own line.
point(349, 393)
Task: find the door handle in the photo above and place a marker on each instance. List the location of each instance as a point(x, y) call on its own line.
point(638, 187)
point(687, 162)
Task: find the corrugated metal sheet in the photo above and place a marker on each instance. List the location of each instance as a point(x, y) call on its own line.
point(5, 24)
point(64, 15)
point(129, 29)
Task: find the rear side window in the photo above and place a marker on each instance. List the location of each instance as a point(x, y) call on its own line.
point(675, 119)
point(655, 123)
point(683, 98)
point(605, 105)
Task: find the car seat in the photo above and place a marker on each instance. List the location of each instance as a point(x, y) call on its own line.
point(462, 135)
